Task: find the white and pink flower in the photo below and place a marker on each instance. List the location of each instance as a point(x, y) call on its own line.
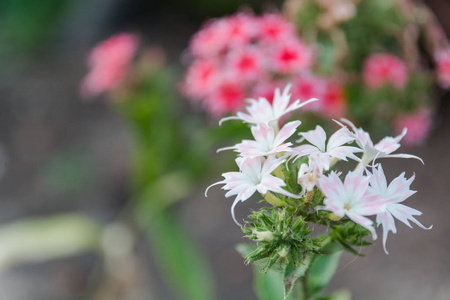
point(266, 140)
point(350, 198)
point(392, 195)
point(254, 176)
point(262, 111)
point(322, 152)
point(382, 149)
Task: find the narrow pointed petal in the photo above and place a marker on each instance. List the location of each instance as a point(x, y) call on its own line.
point(286, 132)
point(339, 138)
point(316, 137)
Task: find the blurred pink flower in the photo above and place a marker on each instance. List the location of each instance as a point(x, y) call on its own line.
point(109, 63)
point(381, 69)
point(249, 51)
point(209, 40)
point(443, 67)
point(333, 101)
point(309, 86)
point(266, 89)
point(201, 78)
point(274, 28)
point(291, 56)
point(228, 96)
point(247, 63)
point(418, 124)
point(239, 29)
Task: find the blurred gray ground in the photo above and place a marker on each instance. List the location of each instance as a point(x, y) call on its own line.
point(63, 154)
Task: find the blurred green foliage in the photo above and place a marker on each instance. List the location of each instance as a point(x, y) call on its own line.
point(27, 25)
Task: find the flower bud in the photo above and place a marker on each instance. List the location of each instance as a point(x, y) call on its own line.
point(333, 217)
point(283, 252)
point(264, 236)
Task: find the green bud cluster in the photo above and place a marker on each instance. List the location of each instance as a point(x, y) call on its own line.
point(285, 234)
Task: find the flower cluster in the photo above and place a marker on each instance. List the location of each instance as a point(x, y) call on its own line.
point(246, 56)
point(442, 59)
point(109, 64)
point(301, 179)
point(384, 68)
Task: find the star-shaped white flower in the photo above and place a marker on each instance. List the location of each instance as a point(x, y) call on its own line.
point(261, 111)
point(350, 198)
point(266, 142)
point(254, 176)
point(397, 192)
point(383, 148)
point(334, 148)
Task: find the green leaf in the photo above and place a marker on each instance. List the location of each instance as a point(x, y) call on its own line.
point(269, 286)
point(322, 270)
point(292, 274)
point(181, 263)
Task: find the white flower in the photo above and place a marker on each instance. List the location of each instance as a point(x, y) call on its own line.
point(262, 112)
point(254, 176)
point(397, 191)
point(334, 147)
point(382, 149)
point(350, 198)
point(266, 142)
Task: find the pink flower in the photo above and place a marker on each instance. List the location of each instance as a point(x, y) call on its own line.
point(109, 63)
point(334, 148)
point(291, 56)
point(266, 141)
point(381, 69)
point(351, 198)
point(309, 86)
point(201, 78)
point(443, 67)
point(333, 101)
point(228, 96)
point(262, 111)
point(266, 89)
point(273, 28)
point(254, 176)
point(246, 64)
point(397, 192)
point(239, 29)
point(209, 41)
point(418, 125)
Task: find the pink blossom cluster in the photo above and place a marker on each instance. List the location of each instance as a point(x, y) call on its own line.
point(385, 69)
point(418, 124)
point(442, 59)
point(363, 193)
point(109, 64)
point(247, 56)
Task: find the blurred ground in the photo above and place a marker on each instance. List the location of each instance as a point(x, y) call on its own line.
point(63, 154)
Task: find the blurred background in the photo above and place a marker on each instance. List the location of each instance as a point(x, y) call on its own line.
point(67, 156)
